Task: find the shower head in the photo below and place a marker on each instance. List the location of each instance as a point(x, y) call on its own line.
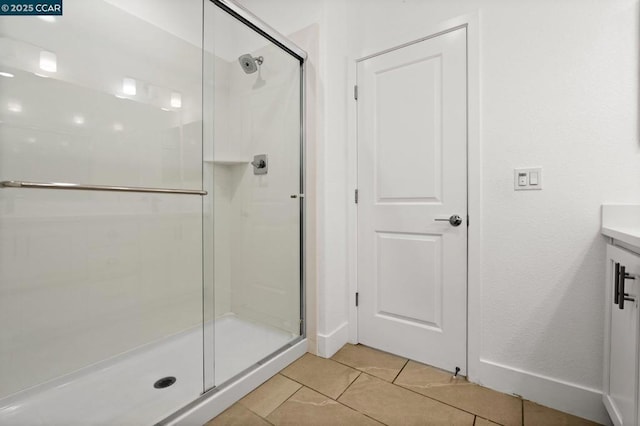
point(250, 64)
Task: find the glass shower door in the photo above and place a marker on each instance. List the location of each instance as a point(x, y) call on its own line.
point(254, 99)
point(101, 291)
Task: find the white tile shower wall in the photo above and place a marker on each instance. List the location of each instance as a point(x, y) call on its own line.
point(256, 220)
point(223, 234)
point(223, 182)
point(265, 277)
point(88, 275)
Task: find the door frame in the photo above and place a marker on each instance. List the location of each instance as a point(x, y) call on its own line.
point(474, 182)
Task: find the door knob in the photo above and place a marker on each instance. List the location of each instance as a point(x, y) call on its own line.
point(454, 220)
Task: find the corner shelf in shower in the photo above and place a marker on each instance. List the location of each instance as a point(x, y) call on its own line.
point(227, 161)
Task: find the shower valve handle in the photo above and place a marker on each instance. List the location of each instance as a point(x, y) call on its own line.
point(261, 164)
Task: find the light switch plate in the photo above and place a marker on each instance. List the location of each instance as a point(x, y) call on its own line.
point(527, 179)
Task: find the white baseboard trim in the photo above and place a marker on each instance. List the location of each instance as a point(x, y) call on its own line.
point(565, 396)
point(219, 401)
point(329, 344)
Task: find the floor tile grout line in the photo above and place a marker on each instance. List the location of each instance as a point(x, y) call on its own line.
point(328, 396)
point(267, 420)
point(364, 371)
point(366, 415)
point(361, 370)
point(305, 386)
point(309, 387)
point(290, 396)
point(392, 383)
point(399, 372)
point(419, 394)
point(411, 390)
point(351, 408)
point(279, 405)
point(302, 386)
point(349, 385)
point(342, 363)
point(358, 411)
point(346, 365)
point(237, 403)
point(442, 402)
point(376, 350)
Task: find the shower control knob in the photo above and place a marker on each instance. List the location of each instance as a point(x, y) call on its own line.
point(260, 164)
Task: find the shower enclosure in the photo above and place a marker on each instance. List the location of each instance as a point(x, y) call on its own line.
point(151, 208)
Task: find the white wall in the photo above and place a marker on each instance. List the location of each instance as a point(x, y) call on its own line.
point(559, 89)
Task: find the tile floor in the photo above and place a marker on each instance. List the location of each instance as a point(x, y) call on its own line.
point(363, 386)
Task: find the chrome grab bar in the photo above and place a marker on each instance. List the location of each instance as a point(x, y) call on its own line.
point(78, 187)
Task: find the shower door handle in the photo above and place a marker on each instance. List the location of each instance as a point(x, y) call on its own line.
point(297, 196)
point(82, 187)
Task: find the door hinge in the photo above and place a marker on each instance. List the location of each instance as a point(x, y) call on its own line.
point(355, 92)
point(467, 221)
point(356, 196)
point(357, 298)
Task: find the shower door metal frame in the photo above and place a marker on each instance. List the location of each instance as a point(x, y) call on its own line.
point(271, 34)
point(259, 26)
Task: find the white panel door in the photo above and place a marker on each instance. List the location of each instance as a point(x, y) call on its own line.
point(412, 174)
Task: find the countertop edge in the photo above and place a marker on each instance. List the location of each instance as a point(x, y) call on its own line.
point(626, 235)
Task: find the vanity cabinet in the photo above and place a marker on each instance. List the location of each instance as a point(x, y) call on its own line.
point(620, 385)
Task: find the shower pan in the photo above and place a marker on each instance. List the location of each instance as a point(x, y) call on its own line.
point(147, 275)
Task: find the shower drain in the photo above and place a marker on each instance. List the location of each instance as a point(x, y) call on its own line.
point(165, 382)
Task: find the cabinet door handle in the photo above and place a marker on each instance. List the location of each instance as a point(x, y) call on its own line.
point(616, 289)
point(622, 296)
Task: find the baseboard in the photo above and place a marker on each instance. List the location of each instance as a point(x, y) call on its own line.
point(565, 396)
point(329, 344)
point(209, 406)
